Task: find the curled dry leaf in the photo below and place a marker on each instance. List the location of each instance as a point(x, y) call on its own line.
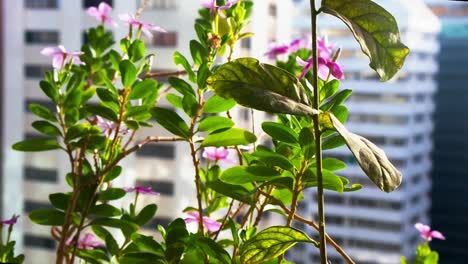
point(372, 159)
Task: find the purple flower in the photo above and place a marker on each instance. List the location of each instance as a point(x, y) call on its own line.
point(297, 44)
point(10, 221)
point(324, 49)
point(143, 190)
point(87, 241)
point(107, 127)
point(101, 13)
point(215, 154)
point(210, 224)
point(214, 8)
point(145, 27)
point(327, 69)
point(60, 55)
point(276, 50)
point(427, 233)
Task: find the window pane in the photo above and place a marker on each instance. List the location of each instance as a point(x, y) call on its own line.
point(41, 37)
point(33, 4)
point(90, 3)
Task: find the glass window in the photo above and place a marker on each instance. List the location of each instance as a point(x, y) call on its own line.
point(36, 71)
point(41, 37)
point(168, 39)
point(40, 175)
point(38, 4)
point(36, 241)
point(161, 4)
point(90, 3)
point(157, 151)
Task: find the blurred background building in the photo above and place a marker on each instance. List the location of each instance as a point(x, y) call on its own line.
point(30, 25)
point(449, 211)
point(372, 226)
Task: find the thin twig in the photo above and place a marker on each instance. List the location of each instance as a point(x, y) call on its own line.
point(164, 74)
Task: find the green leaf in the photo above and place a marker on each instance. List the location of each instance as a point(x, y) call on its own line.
point(175, 100)
point(190, 105)
point(333, 142)
point(280, 132)
point(199, 53)
point(307, 142)
point(49, 90)
point(337, 100)
point(144, 88)
point(126, 226)
point(176, 237)
point(217, 104)
point(43, 112)
point(204, 247)
point(273, 159)
point(146, 214)
point(331, 181)
point(372, 159)
point(137, 50)
point(113, 173)
point(332, 164)
point(46, 128)
point(239, 175)
point(111, 194)
point(171, 121)
point(47, 217)
point(203, 74)
point(181, 86)
point(179, 59)
point(141, 258)
point(329, 89)
point(40, 144)
point(260, 86)
point(105, 210)
point(103, 111)
point(271, 243)
point(213, 123)
point(59, 200)
point(111, 245)
point(229, 137)
point(147, 244)
point(375, 29)
point(237, 192)
point(128, 72)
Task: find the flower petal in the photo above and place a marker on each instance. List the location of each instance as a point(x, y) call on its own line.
point(437, 234)
point(422, 227)
point(57, 61)
point(104, 8)
point(94, 12)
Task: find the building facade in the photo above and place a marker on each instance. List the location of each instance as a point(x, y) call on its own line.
point(449, 177)
point(372, 226)
point(28, 178)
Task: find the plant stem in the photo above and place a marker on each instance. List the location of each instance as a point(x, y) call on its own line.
point(196, 161)
point(318, 140)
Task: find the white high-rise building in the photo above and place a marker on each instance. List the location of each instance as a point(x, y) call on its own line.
point(373, 226)
point(28, 178)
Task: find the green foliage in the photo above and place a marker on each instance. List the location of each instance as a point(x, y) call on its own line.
point(40, 144)
point(260, 86)
point(48, 217)
point(271, 243)
point(171, 121)
point(229, 137)
point(375, 29)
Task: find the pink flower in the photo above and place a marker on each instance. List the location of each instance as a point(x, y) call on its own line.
point(145, 27)
point(211, 4)
point(324, 49)
point(215, 154)
point(10, 221)
point(143, 190)
point(297, 44)
point(107, 127)
point(60, 55)
point(276, 50)
point(210, 224)
point(101, 13)
point(327, 69)
point(427, 233)
point(87, 241)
